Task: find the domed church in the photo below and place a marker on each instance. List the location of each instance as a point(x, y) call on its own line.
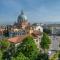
point(22, 20)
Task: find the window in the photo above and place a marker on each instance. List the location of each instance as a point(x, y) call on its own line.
point(36, 40)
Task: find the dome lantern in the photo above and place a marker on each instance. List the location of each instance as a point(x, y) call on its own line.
point(22, 13)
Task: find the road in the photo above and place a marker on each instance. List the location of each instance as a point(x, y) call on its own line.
point(55, 41)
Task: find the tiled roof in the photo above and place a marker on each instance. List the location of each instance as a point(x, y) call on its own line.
point(17, 39)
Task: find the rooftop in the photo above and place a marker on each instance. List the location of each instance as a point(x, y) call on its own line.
point(17, 39)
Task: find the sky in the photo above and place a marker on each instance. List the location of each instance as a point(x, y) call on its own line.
point(35, 10)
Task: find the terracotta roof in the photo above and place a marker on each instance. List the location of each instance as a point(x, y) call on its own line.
point(17, 39)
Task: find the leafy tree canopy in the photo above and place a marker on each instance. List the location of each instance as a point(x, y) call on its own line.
point(45, 41)
point(42, 56)
point(54, 56)
point(20, 56)
point(48, 31)
point(29, 48)
point(4, 44)
point(1, 55)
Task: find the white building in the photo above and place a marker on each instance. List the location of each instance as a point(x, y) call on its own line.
point(38, 27)
point(55, 28)
point(37, 33)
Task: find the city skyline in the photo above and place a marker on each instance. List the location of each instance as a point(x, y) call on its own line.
point(35, 10)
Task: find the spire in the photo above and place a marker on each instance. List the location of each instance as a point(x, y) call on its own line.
point(22, 13)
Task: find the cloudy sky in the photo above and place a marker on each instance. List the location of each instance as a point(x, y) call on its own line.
point(35, 10)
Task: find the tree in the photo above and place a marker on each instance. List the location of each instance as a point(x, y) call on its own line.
point(0, 55)
point(42, 56)
point(45, 42)
point(20, 56)
point(29, 48)
point(4, 44)
point(48, 31)
point(54, 56)
point(58, 55)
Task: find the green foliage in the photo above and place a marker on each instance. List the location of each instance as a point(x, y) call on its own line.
point(43, 56)
point(45, 41)
point(59, 55)
point(26, 50)
point(54, 56)
point(48, 31)
point(6, 55)
point(4, 44)
point(29, 48)
point(20, 56)
point(1, 55)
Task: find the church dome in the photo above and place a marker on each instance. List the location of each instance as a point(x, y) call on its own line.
point(22, 17)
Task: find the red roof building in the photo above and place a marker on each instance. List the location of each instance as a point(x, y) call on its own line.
point(17, 39)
